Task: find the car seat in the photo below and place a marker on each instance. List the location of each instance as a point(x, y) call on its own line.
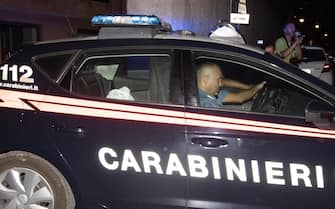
point(89, 83)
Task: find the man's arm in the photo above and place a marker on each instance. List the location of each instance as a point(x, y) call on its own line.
point(234, 84)
point(285, 52)
point(243, 96)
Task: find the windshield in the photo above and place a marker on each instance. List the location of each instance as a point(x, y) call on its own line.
point(313, 55)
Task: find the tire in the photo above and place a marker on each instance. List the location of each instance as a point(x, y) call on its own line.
point(29, 180)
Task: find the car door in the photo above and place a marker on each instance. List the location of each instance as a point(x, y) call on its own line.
point(245, 156)
point(120, 128)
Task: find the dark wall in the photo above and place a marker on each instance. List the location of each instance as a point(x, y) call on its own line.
point(266, 21)
point(56, 18)
point(197, 15)
point(201, 16)
point(25, 21)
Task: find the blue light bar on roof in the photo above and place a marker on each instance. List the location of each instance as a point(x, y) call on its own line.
point(125, 20)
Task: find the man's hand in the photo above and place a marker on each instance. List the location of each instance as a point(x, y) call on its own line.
point(298, 41)
point(260, 86)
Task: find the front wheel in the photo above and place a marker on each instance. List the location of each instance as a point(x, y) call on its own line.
point(28, 181)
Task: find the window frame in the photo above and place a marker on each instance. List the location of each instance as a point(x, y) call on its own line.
point(117, 56)
point(90, 54)
point(73, 56)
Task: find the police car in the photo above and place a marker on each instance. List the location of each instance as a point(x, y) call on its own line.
point(114, 121)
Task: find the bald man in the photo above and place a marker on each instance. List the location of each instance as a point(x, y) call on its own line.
point(210, 80)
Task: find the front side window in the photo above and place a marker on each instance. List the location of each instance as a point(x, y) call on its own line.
point(231, 85)
point(143, 78)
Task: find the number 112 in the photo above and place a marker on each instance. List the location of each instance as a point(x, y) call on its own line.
point(19, 74)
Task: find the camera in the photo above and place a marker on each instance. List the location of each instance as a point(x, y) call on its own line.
point(299, 35)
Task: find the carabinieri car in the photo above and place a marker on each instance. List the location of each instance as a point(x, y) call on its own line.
point(115, 121)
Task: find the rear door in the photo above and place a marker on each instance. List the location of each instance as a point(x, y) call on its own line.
point(122, 127)
point(259, 154)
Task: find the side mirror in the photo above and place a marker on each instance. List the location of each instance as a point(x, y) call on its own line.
point(321, 114)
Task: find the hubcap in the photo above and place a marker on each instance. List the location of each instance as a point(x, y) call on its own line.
point(23, 198)
point(24, 188)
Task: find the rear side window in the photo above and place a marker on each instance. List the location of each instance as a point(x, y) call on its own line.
point(53, 65)
point(140, 77)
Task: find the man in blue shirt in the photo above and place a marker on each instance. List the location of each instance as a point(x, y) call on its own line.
point(210, 80)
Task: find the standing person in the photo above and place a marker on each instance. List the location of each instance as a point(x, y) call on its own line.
point(288, 46)
point(269, 47)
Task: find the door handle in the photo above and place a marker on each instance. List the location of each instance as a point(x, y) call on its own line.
point(210, 142)
point(71, 130)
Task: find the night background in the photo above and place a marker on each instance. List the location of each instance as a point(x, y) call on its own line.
point(313, 18)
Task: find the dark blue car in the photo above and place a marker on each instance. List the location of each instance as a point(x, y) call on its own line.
point(115, 121)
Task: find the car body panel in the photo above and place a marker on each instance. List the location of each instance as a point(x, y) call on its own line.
point(244, 150)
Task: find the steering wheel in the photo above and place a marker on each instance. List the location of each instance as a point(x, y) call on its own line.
point(270, 100)
point(261, 98)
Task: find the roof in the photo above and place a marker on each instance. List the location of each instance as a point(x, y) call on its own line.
point(312, 47)
point(66, 40)
point(169, 36)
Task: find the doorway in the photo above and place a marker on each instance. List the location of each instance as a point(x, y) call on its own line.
point(14, 35)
